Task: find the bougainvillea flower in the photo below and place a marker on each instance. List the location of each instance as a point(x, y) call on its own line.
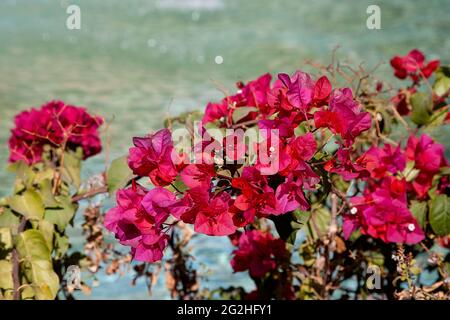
point(383, 214)
point(428, 158)
point(252, 94)
point(344, 116)
point(300, 89)
point(428, 155)
point(150, 248)
point(284, 126)
point(158, 204)
point(208, 212)
point(304, 147)
point(129, 209)
point(152, 156)
point(198, 175)
point(258, 252)
point(256, 198)
point(273, 156)
point(55, 124)
point(379, 161)
point(343, 165)
point(413, 65)
point(215, 111)
point(136, 227)
point(290, 196)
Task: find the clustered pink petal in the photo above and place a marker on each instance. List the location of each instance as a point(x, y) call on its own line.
point(137, 221)
point(56, 124)
point(217, 197)
point(413, 65)
point(382, 212)
point(153, 156)
point(258, 252)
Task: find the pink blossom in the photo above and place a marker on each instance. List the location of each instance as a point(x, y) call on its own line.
point(413, 65)
point(259, 252)
point(56, 124)
point(152, 156)
point(383, 213)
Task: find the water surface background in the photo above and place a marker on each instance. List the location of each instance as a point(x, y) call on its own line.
point(138, 61)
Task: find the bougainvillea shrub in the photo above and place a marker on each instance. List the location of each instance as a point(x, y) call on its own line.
point(296, 154)
point(47, 147)
point(329, 184)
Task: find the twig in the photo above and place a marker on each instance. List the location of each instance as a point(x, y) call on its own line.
point(89, 194)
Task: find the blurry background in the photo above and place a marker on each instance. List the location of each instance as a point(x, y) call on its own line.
point(139, 60)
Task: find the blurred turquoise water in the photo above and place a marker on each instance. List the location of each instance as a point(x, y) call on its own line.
point(138, 61)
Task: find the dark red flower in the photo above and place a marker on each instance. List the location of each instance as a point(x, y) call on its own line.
point(258, 252)
point(55, 124)
point(413, 65)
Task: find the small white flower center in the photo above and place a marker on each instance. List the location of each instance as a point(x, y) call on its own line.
point(353, 210)
point(411, 227)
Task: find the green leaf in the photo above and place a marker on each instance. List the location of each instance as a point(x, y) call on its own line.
point(46, 192)
point(419, 211)
point(6, 280)
point(442, 83)
point(47, 229)
point(422, 106)
point(5, 239)
point(8, 219)
point(37, 264)
point(242, 112)
point(319, 222)
point(445, 171)
point(437, 119)
point(29, 204)
point(118, 174)
point(440, 215)
point(63, 214)
point(71, 172)
point(61, 245)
